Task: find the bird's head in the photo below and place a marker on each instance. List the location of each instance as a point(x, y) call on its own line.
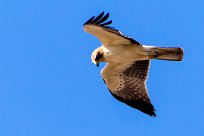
point(97, 56)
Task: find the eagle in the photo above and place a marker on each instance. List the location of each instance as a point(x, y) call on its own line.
point(128, 62)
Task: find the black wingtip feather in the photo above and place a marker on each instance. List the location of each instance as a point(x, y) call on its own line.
point(90, 20)
point(103, 19)
point(100, 20)
point(106, 23)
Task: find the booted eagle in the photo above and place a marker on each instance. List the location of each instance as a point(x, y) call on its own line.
point(128, 62)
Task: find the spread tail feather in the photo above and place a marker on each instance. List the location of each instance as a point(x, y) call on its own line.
point(167, 53)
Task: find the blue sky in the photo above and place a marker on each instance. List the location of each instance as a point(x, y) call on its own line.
point(48, 85)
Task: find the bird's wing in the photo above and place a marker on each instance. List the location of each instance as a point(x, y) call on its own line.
point(127, 83)
point(106, 34)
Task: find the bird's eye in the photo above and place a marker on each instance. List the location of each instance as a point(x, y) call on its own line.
point(98, 56)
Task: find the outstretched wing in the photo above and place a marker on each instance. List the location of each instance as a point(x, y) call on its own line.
point(106, 34)
point(127, 83)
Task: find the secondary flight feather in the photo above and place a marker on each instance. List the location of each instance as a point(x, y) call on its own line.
point(128, 62)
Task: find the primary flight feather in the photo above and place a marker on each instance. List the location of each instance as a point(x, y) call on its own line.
point(128, 62)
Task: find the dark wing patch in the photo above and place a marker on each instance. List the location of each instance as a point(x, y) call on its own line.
point(100, 21)
point(142, 105)
point(133, 90)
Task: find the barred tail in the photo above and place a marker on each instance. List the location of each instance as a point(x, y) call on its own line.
point(167, 53)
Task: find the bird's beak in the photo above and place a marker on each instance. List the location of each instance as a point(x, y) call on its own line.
point(97, 64)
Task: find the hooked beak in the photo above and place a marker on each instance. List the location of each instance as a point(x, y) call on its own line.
point(96, 63)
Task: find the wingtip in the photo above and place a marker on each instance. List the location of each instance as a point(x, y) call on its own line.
point(107, 23)
point(150, 112)
point(91, 19)
point(153, 114)
point(101, 18)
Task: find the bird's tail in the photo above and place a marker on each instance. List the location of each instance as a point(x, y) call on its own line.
point(166, 53)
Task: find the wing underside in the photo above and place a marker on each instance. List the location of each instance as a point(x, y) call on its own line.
point(99, 27)
point(128, 85)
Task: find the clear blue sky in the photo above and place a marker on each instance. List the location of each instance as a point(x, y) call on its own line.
point(49, 87)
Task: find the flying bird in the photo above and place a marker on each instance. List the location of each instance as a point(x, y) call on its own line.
point(128, 62)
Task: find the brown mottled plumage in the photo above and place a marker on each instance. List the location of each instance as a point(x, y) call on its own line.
point(128, 63)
